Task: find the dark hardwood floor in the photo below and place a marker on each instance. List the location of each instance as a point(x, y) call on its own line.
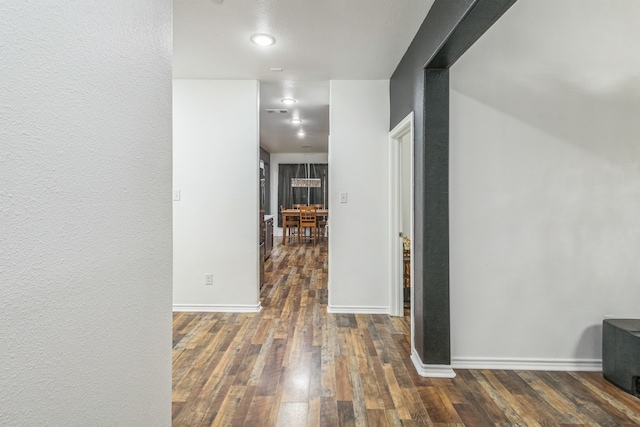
point(293, 364)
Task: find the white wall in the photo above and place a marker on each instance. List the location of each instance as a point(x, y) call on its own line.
point(216, 168)
point(545, 185)
point(407, 182)
point(288, 158)
point(358, 166)
point(85, 208)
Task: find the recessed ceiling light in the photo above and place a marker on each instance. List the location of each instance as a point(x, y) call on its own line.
point(296, 121)
point(262, 39)
point(275, 69)
point(288, 101)
point(301, 133)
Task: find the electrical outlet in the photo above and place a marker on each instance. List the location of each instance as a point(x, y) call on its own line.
point(343, 197)
point(208, 279)
point(176, 195)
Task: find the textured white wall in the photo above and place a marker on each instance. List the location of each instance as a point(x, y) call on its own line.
point(216, 168)
point(359, 166)
point(85, 208)
point(545, 183)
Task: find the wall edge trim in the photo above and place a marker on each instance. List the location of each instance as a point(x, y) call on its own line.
point(218, 308)
point(527, 364)
point(352, 309)
point(431, 371)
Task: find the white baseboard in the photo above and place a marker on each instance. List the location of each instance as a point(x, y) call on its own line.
point(525, 364)
point(347, 309)
point(432, 371)
point(218, 308)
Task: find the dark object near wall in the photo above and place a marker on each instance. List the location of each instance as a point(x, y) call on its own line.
point(621, 353)
point(266, 196)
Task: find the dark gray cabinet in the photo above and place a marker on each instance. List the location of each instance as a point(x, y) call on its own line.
point(268, 235)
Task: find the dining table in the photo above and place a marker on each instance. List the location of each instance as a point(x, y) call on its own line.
point(296, 213)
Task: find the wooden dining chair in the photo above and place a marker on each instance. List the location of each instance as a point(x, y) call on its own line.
point(308, 220)
point(297, 205)
point(322, 221)
point(290, 222)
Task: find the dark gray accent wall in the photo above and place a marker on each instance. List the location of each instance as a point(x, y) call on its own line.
point(420, 84)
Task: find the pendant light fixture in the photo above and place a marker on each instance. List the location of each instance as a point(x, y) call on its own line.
point(306, 182)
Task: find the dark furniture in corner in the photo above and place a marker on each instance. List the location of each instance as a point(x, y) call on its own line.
point(621, 353)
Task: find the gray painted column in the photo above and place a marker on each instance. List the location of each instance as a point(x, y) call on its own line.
point(420, 84)
point(435, 223)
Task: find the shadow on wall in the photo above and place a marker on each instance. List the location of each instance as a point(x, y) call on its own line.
point(564, 78)
point(590, 342)
point(603, 124)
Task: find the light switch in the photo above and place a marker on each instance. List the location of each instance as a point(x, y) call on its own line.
point(176, 195)
point(343, 197)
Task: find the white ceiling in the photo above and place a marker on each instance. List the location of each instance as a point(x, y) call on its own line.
point(316, 41)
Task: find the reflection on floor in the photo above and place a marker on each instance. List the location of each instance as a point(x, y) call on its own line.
point(293, 364)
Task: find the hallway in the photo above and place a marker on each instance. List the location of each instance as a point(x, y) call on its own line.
point(294, 364)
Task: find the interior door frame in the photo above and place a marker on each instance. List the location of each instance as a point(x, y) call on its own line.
point(396, 292)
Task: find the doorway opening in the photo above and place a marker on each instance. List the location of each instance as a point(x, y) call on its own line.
point(401, 219)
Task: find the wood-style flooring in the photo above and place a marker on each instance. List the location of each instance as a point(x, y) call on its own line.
point(293, 364)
